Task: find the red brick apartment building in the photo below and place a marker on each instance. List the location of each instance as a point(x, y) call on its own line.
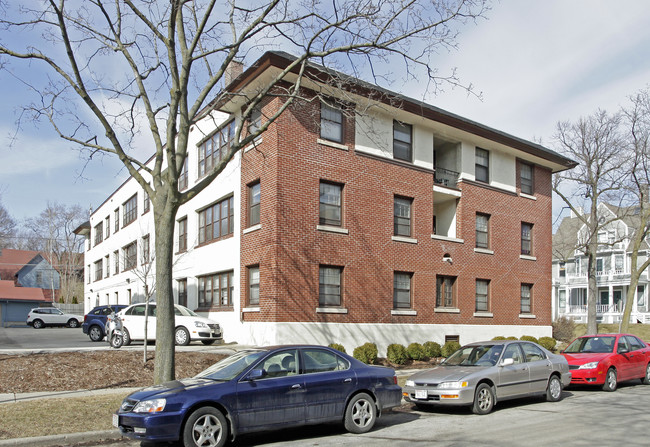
point(367, 216)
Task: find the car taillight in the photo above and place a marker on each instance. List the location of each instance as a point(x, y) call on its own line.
point(85, 318)
point(394, 380)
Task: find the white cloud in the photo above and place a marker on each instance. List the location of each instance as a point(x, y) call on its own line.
point(32, 153)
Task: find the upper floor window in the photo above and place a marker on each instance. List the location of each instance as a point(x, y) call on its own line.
point(145, 249)
point(216, 290)
point(331, 123)
point(482, 165)
point(256, 120)
point(526, 298)
point(402, 145)
point(147, 203)
point(526, 239)
point(130, 256)
point(116, 219)
point(254, 199)
point(330, 205)
point(99, 232)
point(182, 234)
point(182, 292)
point(107, 226)
point(116, 262)
point(329, 285)
point(130, 210)
point(402, 216)
point(445, 291)
point(482, 231)
point(215, 148)
point(107, 264)
point(526, 178)
point(253, 285)
point(98, 270)
point(182, 177)
point(482, 295)
point(402, 290)
point(216, 221)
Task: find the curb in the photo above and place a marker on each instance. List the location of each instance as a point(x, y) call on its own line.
point(65, 439)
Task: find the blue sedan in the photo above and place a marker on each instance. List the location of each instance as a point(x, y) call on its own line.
point(261, 389)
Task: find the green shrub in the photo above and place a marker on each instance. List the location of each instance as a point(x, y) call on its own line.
point(431, 349)
point(449, 348)
point(396, 354)
point(529, 338)
point(512, 337)
point(416, 351)
point(338, 347)
point(499, 337)
point(367, 353)
point(547, 342)
point(563, 329)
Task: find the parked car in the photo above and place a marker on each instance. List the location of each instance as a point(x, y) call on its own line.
point(95, 321)
point(261, 389)
point(606, 359)
point(481, 374)
point(189, 325)
point(51, 316)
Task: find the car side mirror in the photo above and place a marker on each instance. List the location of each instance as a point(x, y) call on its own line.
point(622, 350)
point(257, 374)
point(507, 362)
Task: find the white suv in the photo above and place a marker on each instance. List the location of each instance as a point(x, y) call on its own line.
point(51, 316)
point(189, 325)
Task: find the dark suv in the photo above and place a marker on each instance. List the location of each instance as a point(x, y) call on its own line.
point(95, 320)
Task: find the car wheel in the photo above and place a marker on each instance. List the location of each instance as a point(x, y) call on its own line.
point(208, 342)
point(554, 389)
point(483, 399)
point(73, 323)
point(126, 337)
point(95, 333)
point(646, 379)
point(38, 324)
point(182, 336)
point(610, 380)
point(205, 427)
point(360, 414)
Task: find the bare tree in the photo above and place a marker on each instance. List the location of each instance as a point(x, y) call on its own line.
point(596, 144)
point(160, 66)
point(7, 228)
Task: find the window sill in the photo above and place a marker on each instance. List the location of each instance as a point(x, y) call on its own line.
point(447, 238)
point(408, 240)
point(527, 196)
point(331, 310)
point(528, 258)
point(484, 314)
point(529, 316)
point(251, 229)
point(485, 251)
point(447, 310)
point(331, 229)
point(332, 144)
point(254, 144)
point(403, 312)
point(250, 309)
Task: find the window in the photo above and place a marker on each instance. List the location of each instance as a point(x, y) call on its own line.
point(89, 274)
point(130, 256)
point(330, 204)
point(215, 148)
point(526, 298)
point(254, 196)
point(182, 234)
point(182, 292)
point(99, 233)
point(254, 285)
point(216, 221)
point(182, 177)
point(256, 120)
point(107, 226)
point(618, 263)
point(526, 239)
point(147, 203)
point(107, 263)
point(216, 290)
point(402, 290)
point(39, 278)
point(445, 291)
point(513, 351)
point(402, 148)
point(329, 286)
point(482, 165)
point(562, 270)
point(482, 231)
point(130, 210)
point(482, 295)
point(331, 123)
point(319, 360)
point(145, 249)
point(526, 178)
point(116, 220)
point(98, 270)
point(402, 216)
point(116, 262)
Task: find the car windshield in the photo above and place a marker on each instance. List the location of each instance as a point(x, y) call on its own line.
point(184, 311)
point(591, 344)
point(231, 367)
point(476, 355)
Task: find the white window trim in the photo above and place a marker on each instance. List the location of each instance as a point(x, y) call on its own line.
point(483, 314)
point(408, 240)
point(251, 229)
point(527, 196)
point(332, 144)
point(528, 258)
point(530, 316)
point(446, 310)
point(484, 251)
point(332, 229)
point(331, 310)
point(251, 309)
point(447, 238)
point(256, 142)
point(403, 312)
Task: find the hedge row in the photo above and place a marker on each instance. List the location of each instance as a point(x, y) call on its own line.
point(547, 342)
point(399, 354)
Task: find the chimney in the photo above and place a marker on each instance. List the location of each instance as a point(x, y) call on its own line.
point(233, 69)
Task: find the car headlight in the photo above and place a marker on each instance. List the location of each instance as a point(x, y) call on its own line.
point(452, 385)
point(150, 406)
point(409, 383)
point(590, 365)
point(200, 324)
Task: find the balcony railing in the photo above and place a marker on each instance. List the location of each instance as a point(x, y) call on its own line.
point(446, 177)
point(600, 309)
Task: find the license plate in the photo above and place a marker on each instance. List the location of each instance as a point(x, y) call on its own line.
point(419, 394)
point(116, 421)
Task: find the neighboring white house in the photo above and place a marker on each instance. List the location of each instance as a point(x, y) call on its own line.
point(570, 289)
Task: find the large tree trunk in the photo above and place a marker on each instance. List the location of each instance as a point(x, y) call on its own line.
point(592, 292)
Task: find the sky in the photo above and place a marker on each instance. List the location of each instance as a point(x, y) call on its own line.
point(534, 62)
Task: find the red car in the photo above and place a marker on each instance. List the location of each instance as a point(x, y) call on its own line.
point(606, 359)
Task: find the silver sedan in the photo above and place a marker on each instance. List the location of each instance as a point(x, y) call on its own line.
point(481, 374)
